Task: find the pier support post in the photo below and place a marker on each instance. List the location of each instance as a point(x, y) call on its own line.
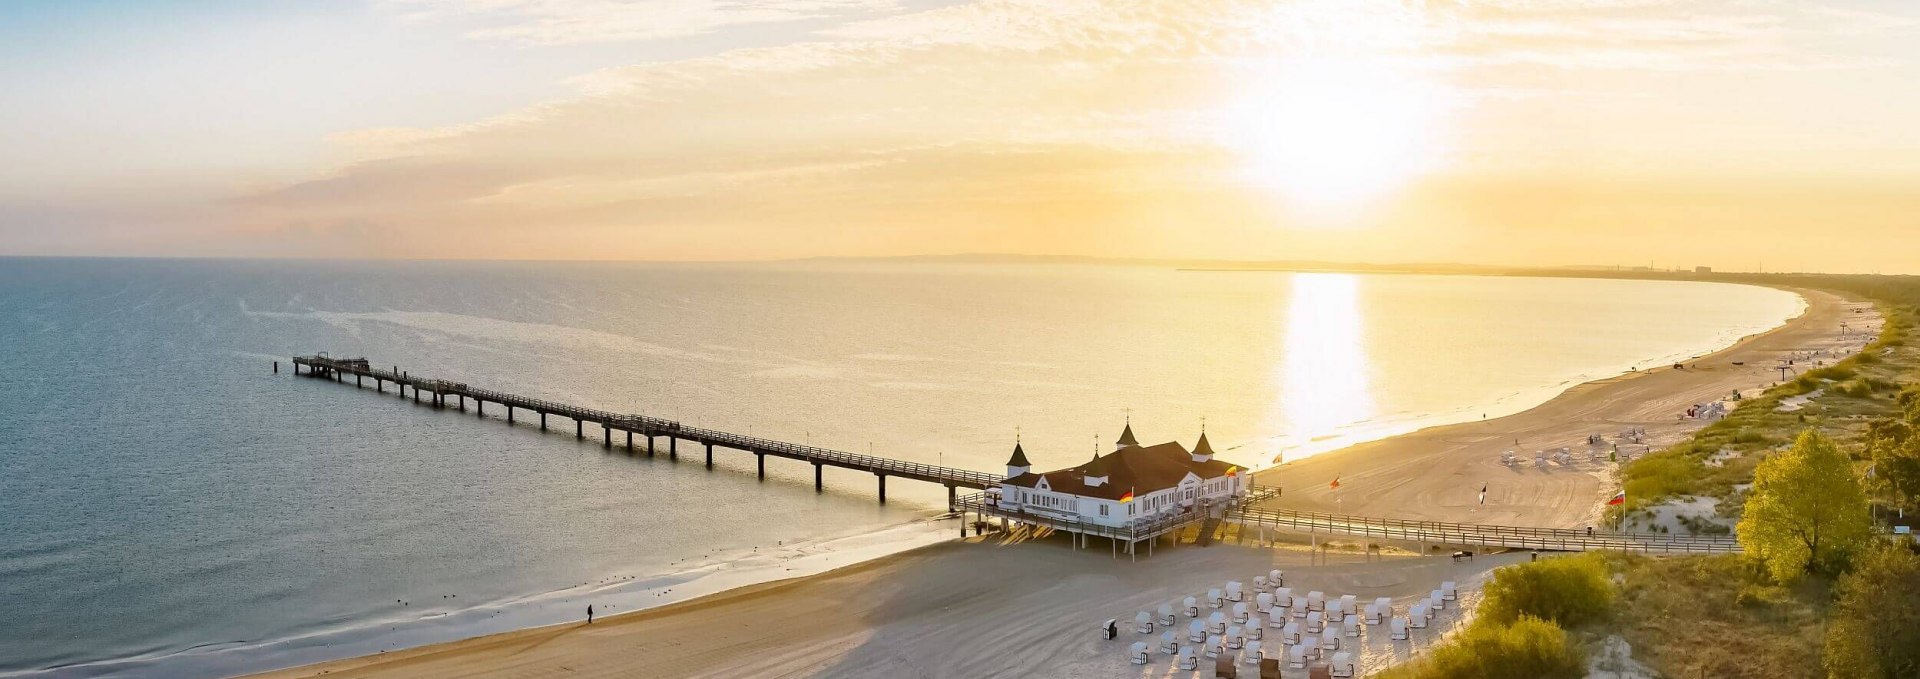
point(818, 486)
point(951, 496)
point(276, 368)
point(606, 434)
point(673, 447)
point(543, 421)
point(883, 488)
point(356, 381)
point(710, 457)
point(509, 414)
point(579, 429)
point(762, 459)
point(629, 440)
point(480, 409)
point(649, 445)
point(380, 385)
point(463, 402)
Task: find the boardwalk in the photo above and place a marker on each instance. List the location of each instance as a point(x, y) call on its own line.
point(1476, 535)
point(449, 393)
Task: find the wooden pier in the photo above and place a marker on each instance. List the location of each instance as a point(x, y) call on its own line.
point(448, 393)
point(1479, 535)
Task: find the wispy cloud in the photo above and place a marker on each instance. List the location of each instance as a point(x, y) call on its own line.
point(559, 22)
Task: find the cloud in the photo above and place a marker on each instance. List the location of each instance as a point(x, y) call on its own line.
point(561, 22)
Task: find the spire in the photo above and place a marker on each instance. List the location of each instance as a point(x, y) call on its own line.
point(1126, 436)
point(1019, 458)
point(1203, 448)
point(1096, 471)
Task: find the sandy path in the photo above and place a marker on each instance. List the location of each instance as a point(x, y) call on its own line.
point(985, 609)
point(1436, 473)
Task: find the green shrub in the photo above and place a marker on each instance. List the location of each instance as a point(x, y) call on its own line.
point(1874, 631)
point(1530, 648)
point(1570, 591)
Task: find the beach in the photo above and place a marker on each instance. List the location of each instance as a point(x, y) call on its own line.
point(983, 607)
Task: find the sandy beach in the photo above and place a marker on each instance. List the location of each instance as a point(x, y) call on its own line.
point(982, 607)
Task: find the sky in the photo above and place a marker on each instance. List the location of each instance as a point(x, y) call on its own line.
point(1739, 134)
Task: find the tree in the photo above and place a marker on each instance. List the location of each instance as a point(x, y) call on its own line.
point(1806, 512)
point(1874, 631)
point(1895, 452)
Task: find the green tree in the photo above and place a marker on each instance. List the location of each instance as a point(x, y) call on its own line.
point(1874, 628)
point(1895, 452)
point(1806, 512)
point(1569, 591)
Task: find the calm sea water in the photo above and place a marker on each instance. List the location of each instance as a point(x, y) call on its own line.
point(169, 507)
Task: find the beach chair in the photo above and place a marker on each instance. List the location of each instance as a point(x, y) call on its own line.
point(1372, 615)
point(1350, 604)
point(1297, 657)
point(1450, 591)
point(1236, 591)
point(1315, 621)
point(1290, 634)
point(1240, 612)
point(1319, 672)
point(1263, 602)
point(1341, 665)
point(1316, 601)
point(1397, 630)
point(1251, 656)
point(1300, 607)
point(1137, 653)
point(1188, 659)
point(1143, 622)
point(1257, 626)
point(1191, 607)
point(1166, 615)
point(1110, 629)
point(1336, 610)
point(1417, 615)
point(1436, 601)
point(1217, 623)
point(1214, 598)
point(1223, 667)
point(1330, 638)
point(1169, 642)
point(1260, 584)
point(1213, 645)
point(1276, 577)
point(1270, 665)
point(1386, 606)
point(1312, 644)
point(1236, 637)
point(1197, 632)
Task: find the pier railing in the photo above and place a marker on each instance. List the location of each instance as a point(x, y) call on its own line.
point(1485, 535)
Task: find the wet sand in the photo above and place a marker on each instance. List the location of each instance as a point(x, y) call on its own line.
point(984, 608)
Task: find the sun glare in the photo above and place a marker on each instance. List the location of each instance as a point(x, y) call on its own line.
point(1331, 131)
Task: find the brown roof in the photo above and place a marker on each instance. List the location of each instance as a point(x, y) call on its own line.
point(1140, 469)
point(1019, 458)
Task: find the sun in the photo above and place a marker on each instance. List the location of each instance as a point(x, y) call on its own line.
point(1331, 131)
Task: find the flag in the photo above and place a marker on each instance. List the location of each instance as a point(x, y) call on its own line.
point(1619, 498)
point(1335, 485)
point(1483, 493)
point(1233, 469)
point(1128, 497)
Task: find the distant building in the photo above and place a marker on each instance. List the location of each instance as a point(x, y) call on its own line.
point(1130, 483)
point(1703, 269)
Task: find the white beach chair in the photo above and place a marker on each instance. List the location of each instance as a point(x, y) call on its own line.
point(1315, 621)
point(1316, 601)
point(1352, 629)
point(1436, 601)
point(1137, 653)
point(1342, 664)
point(1256, 626)
point(1214, 598)
point(1166, 618)
point(1336, 610)
point(1372, 615)
point(1297, 657)
point(1169, 642)
point(1450, 591)
point(1213, 646)
point(1143, 622)
point(1300, 607)
point(1240, 612)
point(1386, 606)
point(1417, 616)
point(1290, 634)
point(1330, 638)
point(1188, 659)
point(1197, 632)
point(1236, 637)
point(1278, 618)
point(1397, 630)
point(1236, 591)
point(1312, 644)
point(1350, 604)
point(1217, 623)
point(1251, 656)
point(1260, 584)
point(1191, 607)
point(1263, 602)
point(1276, 577)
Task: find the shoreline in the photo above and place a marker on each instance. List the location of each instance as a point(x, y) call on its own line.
point(1429, 473)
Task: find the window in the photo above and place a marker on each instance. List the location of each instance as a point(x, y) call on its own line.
point(1103, 510)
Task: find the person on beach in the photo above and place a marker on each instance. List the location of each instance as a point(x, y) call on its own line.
point(589, 614)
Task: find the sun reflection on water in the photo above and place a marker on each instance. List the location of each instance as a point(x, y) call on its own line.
point(1323, 377)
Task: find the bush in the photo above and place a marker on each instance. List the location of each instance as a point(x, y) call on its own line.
point(1806, 512)
point(1570, 591)
point(1530, 648)
point(1874, 632)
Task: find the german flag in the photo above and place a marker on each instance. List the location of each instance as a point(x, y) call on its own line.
point(1233, 469)
point(1128, 497)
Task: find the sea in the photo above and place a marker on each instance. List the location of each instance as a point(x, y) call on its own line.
point(170, 506)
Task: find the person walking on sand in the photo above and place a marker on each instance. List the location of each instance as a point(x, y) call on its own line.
point(589, 614)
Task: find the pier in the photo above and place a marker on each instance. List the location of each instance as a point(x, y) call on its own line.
point(1477, 535)
point(443, 393)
